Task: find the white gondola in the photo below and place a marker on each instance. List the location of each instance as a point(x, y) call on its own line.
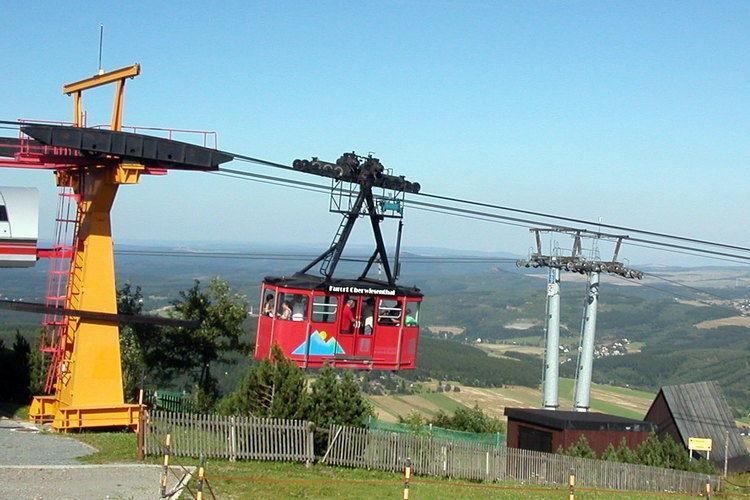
point(19, 226)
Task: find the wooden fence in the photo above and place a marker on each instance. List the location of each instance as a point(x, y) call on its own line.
point(431, 456)
point(215, 436)
point(234, 438)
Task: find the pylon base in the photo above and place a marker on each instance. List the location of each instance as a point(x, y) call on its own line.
point(45, 409)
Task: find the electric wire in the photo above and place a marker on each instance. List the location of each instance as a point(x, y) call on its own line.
point(496, 217)
point(304, 257)
point(674, 282)
point(680, 296)
point(537, 213)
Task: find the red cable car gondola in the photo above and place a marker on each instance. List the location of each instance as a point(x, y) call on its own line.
point(351, 323)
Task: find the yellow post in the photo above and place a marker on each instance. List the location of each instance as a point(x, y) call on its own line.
point(572, 486)
point(407, 476)
point(89, 391)
point(201, 479)
point(165, 468)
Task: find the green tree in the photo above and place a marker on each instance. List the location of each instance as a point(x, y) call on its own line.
point(220, 315)
point(414, 421)
point(133, 365)
point(272, 388)
point(625, 454)
point(139, 343)
point(581, 449)
point(324, 399)
point(336, 402)
point(353, 407)
point(610, 454)
point(650, 452)
point(38, 364)
point(469, 420)
point(21, 378)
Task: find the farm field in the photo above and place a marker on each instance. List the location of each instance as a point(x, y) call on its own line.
point(389, 408)
point(501, 349)
point(743, 321)
point(604, 398)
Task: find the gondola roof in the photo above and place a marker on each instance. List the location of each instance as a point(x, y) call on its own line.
point(348, 286)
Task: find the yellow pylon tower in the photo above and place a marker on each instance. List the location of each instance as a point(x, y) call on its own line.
point(88, 387)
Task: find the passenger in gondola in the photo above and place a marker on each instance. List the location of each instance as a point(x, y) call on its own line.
point(286, 310)
point(410, 320)
point(268, 305)
point(367, 313)
point(348, 320)
point(395, 314)
point(299, 309)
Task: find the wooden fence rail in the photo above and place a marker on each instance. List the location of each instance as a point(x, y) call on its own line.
point(250, 438)
point(353, 447)
point(232, 438)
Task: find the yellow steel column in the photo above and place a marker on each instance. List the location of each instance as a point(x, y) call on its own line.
point(89, 390)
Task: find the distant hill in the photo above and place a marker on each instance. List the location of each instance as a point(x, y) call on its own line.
point(448, 360)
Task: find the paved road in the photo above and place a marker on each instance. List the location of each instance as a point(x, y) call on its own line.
point(44, 466)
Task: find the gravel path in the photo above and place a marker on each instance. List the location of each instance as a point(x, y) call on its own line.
point(22, 444)
point(37, 465)
point(80, 481)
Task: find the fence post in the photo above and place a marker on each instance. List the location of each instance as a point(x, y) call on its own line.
point(201, 477)
point(310, 444)
point(165, 468)
point(572, 485)
point(140, 440)
point(233, 439)
point(708, 487)
point(407, 475)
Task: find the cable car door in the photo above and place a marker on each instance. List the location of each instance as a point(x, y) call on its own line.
point(365, 335)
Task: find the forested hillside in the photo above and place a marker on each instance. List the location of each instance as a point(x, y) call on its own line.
point(455, 361)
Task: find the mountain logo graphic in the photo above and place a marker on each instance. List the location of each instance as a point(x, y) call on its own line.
point(320, 345)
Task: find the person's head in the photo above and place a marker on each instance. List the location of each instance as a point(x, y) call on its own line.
point(269, 297)
point(287, 304)
point(350, 302)
point(408, 311)
point(370, 301)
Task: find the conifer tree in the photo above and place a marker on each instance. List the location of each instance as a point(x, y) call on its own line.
point(354, 409)
point(325, 401)
point(625, 454)
point(272, 388)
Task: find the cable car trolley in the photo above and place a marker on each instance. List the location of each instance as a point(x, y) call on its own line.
point(361, 323)
point(19, 213)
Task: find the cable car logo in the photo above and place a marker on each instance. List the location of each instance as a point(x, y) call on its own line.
point(320, 345)
point(361, 291)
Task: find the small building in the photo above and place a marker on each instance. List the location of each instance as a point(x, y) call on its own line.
point(699, 410)
point(548, 430)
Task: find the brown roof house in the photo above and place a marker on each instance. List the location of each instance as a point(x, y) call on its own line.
point(699, 410)
point(548, 430)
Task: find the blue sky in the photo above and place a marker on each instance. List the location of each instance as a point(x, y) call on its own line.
point(636, 112)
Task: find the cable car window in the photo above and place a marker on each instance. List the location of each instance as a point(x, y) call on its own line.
point(348, 319)
point(268, 302)
point(3, 214)
point(389, 313)
point(324, 309)
point(292, 307)
point(412, 313)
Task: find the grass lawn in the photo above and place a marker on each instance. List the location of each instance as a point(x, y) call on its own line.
point(255, 479)
point(112, 446)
